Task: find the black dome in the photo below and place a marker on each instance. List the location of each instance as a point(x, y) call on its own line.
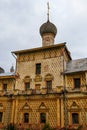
point(48, 27)
point(1, 70)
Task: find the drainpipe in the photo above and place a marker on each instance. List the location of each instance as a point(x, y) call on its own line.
point(14, 100)
point(65, 98)
point(60, 110)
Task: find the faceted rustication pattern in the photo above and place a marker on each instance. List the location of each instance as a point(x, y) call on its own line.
point(6, 109)
point(70, 80)
point(35, 110)
point(10, 84)
point(51, 63)
point(78, 105)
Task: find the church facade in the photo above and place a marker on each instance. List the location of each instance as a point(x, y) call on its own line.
point(46, 87)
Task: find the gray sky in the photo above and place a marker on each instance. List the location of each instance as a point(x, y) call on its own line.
point(20, 21)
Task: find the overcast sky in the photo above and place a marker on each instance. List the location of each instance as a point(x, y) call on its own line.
point(20, 21)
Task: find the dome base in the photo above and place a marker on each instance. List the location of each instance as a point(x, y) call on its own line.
point(48, 39)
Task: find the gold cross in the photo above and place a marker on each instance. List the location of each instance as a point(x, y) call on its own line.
point(48, 10)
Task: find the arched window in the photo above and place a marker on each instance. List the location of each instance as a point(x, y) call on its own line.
point(49, 85)
point(38, 68)
point(1, 115)
point(26, 117)
point(75, 118)
point(42, 117)
point(27, 86)
point(49, 79)
point(77, 83)
point(27, 81)
point(5, 87)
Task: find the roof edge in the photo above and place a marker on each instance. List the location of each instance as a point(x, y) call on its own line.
point(39, 48)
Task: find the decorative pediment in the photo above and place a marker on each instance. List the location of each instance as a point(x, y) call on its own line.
point(49, 77)
point(43, 107)
point(74, 107)
point(27, 79)
point(38, 78)
point(26, 107)
point(1, 106)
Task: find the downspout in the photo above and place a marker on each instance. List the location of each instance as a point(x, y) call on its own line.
point(14, 100)
point(60, 110)
point(65, 98)
point(15, 66)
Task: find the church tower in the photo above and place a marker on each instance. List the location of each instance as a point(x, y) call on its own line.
point(48, 32)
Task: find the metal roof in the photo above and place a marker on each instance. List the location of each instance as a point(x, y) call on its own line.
point(43, 48)
point(7, 74)
point(78, 65)
point(40, 48)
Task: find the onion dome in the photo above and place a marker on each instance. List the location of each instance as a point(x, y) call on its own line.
point(48, 31)
point(1, 70)
point(12, 69)
point(48, 27)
